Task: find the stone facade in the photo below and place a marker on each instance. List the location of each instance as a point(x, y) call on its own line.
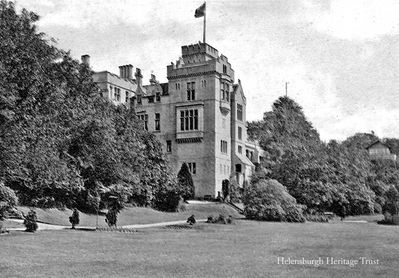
point(199, 116)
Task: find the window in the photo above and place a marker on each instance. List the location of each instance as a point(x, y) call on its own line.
point(168, 146)
point(247, 153)
point(144, 118)
point(150, 99)
point(239, 149)
point(223, 146)
point(177, 86)
point(189, 119)
point(224, 69)
point(239, 133)
point(139, 99)
point(225, 91)
point(157, 121)
point(203, 82)
point(126, 96)
point(239, 112)
point(192, 166)
point(158, 96)
point(190, 90)
point(238, 168)
point(117, 94)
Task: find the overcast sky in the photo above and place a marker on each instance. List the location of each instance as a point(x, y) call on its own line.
point(340, 57)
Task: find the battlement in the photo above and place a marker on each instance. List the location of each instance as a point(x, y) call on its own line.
point(199, 48)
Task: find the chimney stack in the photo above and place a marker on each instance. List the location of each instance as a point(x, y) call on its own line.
point(85, 59)
point(126, 71)
point(153, 79)
point(139, 77)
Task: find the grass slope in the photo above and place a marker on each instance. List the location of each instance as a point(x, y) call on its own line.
point(247, 249)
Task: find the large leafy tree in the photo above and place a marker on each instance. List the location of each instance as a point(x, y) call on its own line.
point(61, 143)
point(324, 177)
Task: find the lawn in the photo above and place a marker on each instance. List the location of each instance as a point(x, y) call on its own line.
point(134, 215)
point(245, 249)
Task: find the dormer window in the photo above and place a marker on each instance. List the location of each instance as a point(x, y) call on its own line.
point(139, 99)
point(158, 96)
point(150, 99)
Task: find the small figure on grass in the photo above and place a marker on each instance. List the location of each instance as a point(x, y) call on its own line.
point(74, 219)
point(191, 220)
point(30, 221)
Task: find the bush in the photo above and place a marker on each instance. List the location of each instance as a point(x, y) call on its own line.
point(270, 201)
point(221, 219)
point(8, 200)
point(191, 220)
point(111, 218)
point(235, 191)
point(317, 218)
point(392, 201)
point(30, 221)
point(74, 219)
point(167, 196)
point(185, 182)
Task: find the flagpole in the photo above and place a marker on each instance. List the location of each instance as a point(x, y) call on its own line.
point(204, 35)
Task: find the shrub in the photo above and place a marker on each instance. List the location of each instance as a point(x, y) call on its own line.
point(182, 205)
point(74, 219)
point(167, 196)
point(185, 182)
point(235, 191)
point(8, 200)
point(111, 218)
point(392, 201)
point(191, 220)
point(270, 201)
point(221, 219)
point(317, 218)
point(30, 221)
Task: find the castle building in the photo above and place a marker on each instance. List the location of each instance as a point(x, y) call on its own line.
point(199, 116)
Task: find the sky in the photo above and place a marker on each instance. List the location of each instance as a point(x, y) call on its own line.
point(339, 57)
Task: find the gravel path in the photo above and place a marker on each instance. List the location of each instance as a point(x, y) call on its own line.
point(43, 226)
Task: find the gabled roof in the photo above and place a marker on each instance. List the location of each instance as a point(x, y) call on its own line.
point(238, 88)
point(378, 142)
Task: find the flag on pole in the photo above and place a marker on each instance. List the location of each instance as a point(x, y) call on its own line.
point(200, 12)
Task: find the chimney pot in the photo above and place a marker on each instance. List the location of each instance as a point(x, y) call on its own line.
point(85, 59)
point(126, 71)
point(139, 76)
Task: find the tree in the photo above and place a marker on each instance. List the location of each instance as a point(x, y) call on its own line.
point(185, 182)
point(60, 140)
point(323, 177)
